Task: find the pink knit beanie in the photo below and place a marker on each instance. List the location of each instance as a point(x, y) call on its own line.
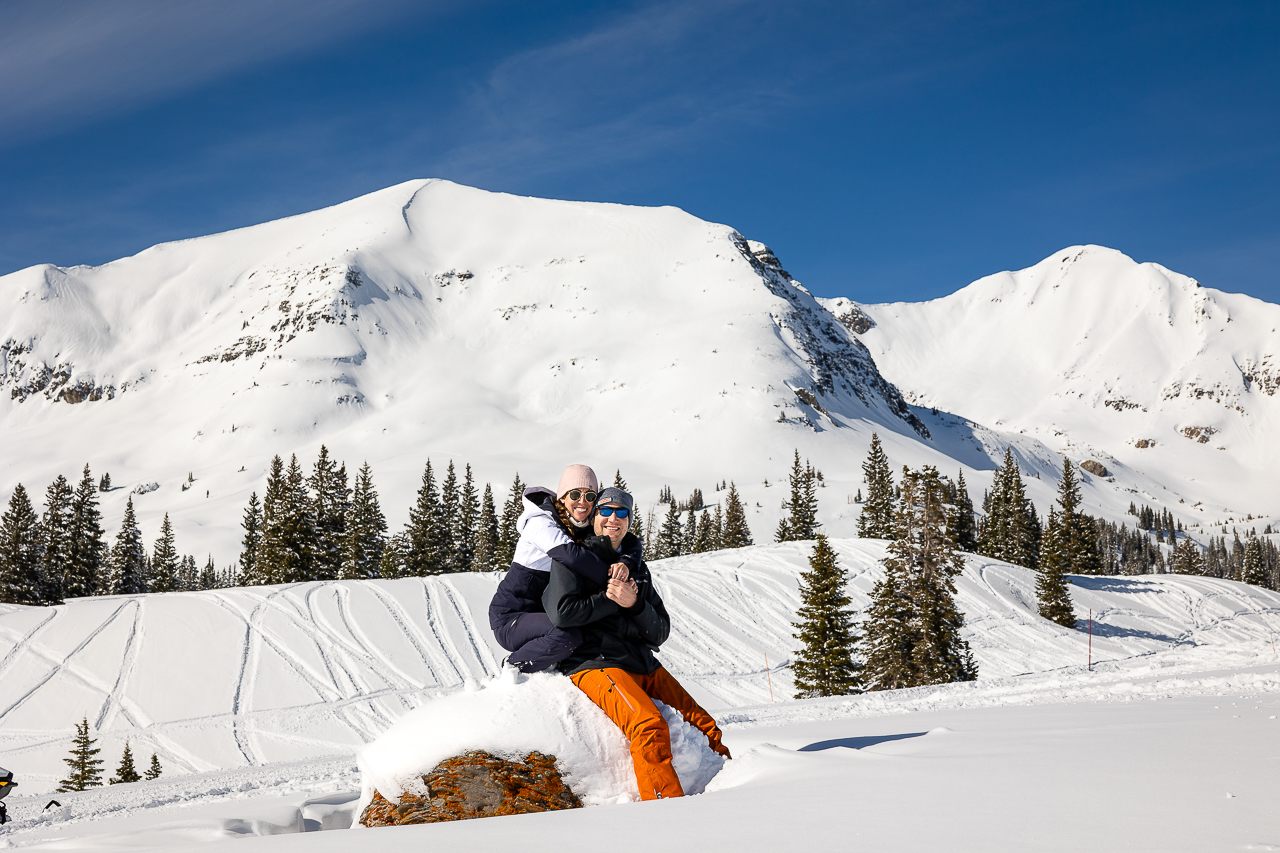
point(577, 477)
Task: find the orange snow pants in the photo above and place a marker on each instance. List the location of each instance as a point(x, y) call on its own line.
point(628, 700)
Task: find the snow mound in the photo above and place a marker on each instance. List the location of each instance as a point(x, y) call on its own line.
point(511, 718)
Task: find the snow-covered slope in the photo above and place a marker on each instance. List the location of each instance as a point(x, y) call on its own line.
point(264, 675)
point(1171, 385)
point(430, 320)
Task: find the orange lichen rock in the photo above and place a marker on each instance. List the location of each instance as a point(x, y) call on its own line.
point(477, 784)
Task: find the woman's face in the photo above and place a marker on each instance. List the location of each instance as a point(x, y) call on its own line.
point(579, 510)
point(612, 526)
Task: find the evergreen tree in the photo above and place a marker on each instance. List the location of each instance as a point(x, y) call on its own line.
point(428, 531)
point(716, 536)
point(1011, 530)
point(877, 518)
point(365, 530)
point(450, 498)
point(801, 523)
point(1186, 559)
point(618, 482)
point(703, 539)
point(329, 499)
point(736, 533)
point(87, 552)
point(251, 573)
point(637, 528)
point(486, 553)
point(86, 767)
point(964, 531)
point(55, 539)
point(1252, 569)
point(20, 552)
point(128, 561)
point(154, 771)
point(271, 555)
point(125, 772)
point(1081, 541)
point(671, 538)
point(209, 578)
point(824, 666)
point(507, 533)
point(465, 521)
point(392, 564)
point(104, 484)
point(188, 574)
point(164, 560)
point(911, 635)
point(295, 529)
point(1052, 588)
point(689, 538)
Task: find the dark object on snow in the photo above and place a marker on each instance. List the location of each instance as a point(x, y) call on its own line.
point(6, 784)
point(1095, 468)
point(477, 784)
point(51, 804)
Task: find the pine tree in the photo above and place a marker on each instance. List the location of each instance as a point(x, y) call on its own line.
point(125, 772)
point(877, 518)
point(824, 666)
point(209, 578)
point(486, 535)
point(392, 564)
point(618, 482)
point(271, 554)
point(507, 533)
point(86, 768)
point(801, 524)
point(1011, 531)
point(154, 771)
point(450, 497)
point(736, 533)
point(704, 539)
point(128, 561)
point(299, 527)
point(365, 530)
point(911, 634)
point(428, 531)
point(1052, 589)
point(87, 552)
point(1081, 539)
point(20, 552)
point(251, 573)
point(1252, 569)
point(1186, 559)
point(465, 521)
point(55, 539)
point(188, 574)
point(329, 497)
point(164, 560)
point(671, 538)
point(964, 531)
point(689, 537)
point(716, 536)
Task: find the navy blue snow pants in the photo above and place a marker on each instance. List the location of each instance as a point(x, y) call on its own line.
point(535, 644)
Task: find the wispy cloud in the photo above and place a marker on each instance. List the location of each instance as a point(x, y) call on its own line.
point(63, 64)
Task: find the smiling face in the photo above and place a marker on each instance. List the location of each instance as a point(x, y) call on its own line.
point(579, 510)
point(612, 526)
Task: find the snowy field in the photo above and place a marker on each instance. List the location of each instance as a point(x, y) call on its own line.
point(257, 701)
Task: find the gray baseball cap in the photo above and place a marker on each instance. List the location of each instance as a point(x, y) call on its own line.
point(616, 497)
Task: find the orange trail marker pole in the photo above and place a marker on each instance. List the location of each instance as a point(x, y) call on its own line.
point(768, 675)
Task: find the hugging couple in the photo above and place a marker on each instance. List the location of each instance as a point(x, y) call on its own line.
point(578, 598)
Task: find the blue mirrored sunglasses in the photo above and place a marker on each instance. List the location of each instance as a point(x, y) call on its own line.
point(607, 511)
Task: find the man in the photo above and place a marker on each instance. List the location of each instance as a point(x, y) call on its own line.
point(622, 624)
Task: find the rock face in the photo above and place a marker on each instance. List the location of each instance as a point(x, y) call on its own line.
point(1095, 468)
point(477, 784)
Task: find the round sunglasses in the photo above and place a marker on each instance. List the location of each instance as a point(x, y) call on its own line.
point(580, 495)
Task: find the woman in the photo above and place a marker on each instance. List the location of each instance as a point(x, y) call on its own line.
point(552, 528)
point(622, 622)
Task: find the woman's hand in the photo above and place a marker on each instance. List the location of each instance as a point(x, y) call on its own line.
point(624, 593)
point(619, 572)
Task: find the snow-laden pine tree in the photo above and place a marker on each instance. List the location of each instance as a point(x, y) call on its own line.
point(1252, 568)
point(824, 666)
point(465, 520)
point(20, 552)
point(251, 568)
point(164, 560)
point(703, 541)
point(128, 561)
point(87, 558)
point(1053, 592)
point(286, 553)
point(507, 533)
point(689, 536)
point(877, 518)
point(450, 495)
point(1011, 530)
point(485, 557)
point(55, 539)
point(329, 496)
point(736, 532)
point(670, 539)
point(86, 767)
point(1081, 540)
point(963, 529)
point(188, 574)
point(911, 632)
point(125, 772)
point(428, 545)
point(209, 577)
point(271, 554)
point(365, 530)
point(801, 522)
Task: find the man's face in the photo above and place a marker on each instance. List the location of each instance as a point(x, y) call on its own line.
point(610, 525)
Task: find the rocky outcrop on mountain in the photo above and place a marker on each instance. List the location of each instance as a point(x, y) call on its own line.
point(477, 784)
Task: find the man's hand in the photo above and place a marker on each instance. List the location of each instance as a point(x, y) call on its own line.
point(624, 593)
point(619, 572)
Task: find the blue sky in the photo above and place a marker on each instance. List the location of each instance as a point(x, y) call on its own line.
point(885, 150)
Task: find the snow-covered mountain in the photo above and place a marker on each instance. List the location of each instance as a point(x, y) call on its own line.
point(1168, 384)
point(430, 320)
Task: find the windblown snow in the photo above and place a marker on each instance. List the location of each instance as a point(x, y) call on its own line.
point(257, 700)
